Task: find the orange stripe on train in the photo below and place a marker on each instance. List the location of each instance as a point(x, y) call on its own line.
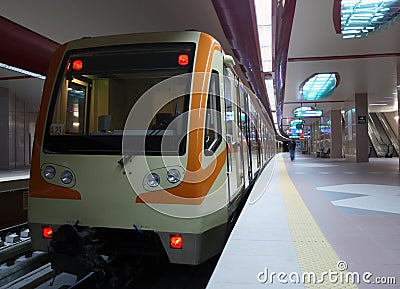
point(189, 191)
point(38, 188)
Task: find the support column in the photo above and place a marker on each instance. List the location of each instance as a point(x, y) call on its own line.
point(361, 104)
point(315, 136)
point(336, 134)
point(4, 128)
point(318, 135)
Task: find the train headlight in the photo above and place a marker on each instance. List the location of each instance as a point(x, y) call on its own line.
point(173, 176)
point(66, 177)
point(153, 180)
point(49, 172)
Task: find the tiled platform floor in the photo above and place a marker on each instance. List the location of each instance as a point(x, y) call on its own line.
point(310, 214)
point(13, 175)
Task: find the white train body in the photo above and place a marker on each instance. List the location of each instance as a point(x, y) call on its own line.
point(144, 137)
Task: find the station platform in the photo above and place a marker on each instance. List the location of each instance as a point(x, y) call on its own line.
point(316, 223)
point(13, 197)
point(14, 175)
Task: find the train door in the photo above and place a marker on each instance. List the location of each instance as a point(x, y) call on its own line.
point(259, 144)
point(265, 143)
point(244, 118)
point(234, 164)
point(242, 135)
point(253, 136)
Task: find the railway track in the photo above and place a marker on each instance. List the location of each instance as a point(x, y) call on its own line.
point(22, 268)
point(16, 255)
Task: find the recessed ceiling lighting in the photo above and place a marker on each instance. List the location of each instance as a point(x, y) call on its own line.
point(23, 71)
point(376, 104)
point(360, 17)
point(319, 85)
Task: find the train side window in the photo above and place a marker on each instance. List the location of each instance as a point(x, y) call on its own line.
point(212, 130)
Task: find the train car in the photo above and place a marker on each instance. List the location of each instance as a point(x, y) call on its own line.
point(145, 145)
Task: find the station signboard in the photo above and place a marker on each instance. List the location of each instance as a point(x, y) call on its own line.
point(307, 111)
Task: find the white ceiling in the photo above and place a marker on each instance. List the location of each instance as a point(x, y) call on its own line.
point(312, 36)
point(61, 21)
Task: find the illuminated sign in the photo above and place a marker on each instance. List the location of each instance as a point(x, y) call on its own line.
point(307, 111)
point(296, 123)
point(361, 119)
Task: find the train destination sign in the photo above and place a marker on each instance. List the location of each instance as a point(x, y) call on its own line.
point(307, 111)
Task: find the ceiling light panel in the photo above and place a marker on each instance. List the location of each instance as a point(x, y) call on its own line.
point(319, 85)
point(361, 17)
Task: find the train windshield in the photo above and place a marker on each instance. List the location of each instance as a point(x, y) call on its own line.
point(97, 90)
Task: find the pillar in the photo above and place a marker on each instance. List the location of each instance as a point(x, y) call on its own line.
point(315, 136)
point(336, 134)
point(361, 105)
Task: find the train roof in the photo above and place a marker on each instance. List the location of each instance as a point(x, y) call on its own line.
point(135, 38)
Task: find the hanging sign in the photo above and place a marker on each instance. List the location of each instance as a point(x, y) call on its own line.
point(307, 111)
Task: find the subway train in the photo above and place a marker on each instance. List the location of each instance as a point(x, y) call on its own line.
point(145, 145)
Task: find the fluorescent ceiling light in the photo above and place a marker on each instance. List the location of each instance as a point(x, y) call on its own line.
point(264, 20)
point(360, 17)
point(271, 93)
point(20, 70)
point(263, 10)
point(319, 85)
point(377, 104)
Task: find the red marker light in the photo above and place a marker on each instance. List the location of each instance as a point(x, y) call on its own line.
point(77, 64)
point(47, 232)
point(183, 59)
point(175, 241)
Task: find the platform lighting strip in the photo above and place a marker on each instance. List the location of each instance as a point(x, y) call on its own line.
point(269, 83)
point(264, 23)
point(23, 71)
point(271, 94)
point(263, 10)
point(318, 86)
point(361, 17)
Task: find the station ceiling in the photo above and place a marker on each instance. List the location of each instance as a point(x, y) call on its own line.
point(366, 65)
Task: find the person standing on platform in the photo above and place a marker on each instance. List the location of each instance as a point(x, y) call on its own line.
point(292, 148)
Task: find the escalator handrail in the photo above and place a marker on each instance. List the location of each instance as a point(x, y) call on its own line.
point(389, 131)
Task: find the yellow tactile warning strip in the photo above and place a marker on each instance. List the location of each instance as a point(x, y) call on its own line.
point(319, 263)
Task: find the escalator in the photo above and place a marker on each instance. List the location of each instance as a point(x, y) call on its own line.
point(379, 147)
point(383, 143)
point(389, 132)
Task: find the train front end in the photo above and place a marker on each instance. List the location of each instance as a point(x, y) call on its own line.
point(119, 166)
